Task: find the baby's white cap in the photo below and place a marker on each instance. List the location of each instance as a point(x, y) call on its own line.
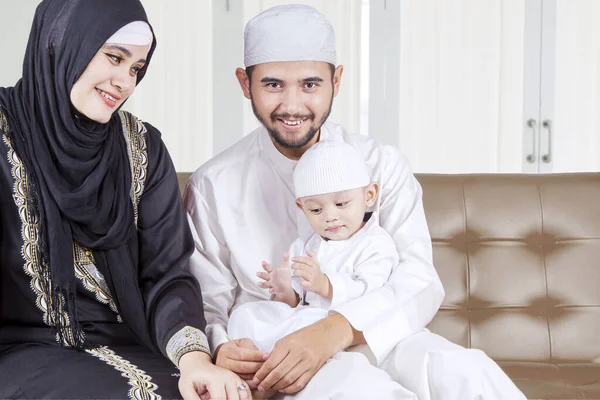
point(329, 167)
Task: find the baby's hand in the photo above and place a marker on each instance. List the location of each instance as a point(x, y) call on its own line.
point(313, 279)
point(277, 280)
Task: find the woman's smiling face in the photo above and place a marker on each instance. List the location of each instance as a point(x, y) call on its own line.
point(108, 80)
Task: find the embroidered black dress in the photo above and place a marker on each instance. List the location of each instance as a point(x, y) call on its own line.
point(32, 364)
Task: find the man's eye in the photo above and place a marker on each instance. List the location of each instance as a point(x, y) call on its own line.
point(310, 85)
point(274, 85)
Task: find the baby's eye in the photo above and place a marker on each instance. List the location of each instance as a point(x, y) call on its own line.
point(342, 204)
point(315, 210)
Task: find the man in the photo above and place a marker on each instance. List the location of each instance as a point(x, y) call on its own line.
point(242, 211)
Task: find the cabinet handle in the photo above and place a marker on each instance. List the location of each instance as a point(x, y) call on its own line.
point(548, 156)
point(532, 124)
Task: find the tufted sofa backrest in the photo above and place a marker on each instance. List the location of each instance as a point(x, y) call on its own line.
point(519, 257)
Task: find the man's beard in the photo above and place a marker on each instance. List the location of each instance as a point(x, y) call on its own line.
point(295, 143)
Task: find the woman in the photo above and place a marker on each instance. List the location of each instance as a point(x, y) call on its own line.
point(96, 298)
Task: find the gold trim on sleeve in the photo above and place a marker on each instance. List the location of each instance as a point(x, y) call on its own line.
point(185, 340)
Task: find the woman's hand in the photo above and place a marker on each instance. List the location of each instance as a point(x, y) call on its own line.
point(202, 380)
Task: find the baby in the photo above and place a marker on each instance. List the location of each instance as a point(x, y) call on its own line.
point(347, 255)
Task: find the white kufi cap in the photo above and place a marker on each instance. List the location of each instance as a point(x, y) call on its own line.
point(137, 33)
point(329, 167)
point(289, 33)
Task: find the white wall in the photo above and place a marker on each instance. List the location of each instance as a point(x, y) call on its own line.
point(176, 93)
point(15, 23)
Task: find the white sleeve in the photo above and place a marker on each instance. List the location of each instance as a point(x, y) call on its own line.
point(371, 270)
point(414, 292)
point(210, 261)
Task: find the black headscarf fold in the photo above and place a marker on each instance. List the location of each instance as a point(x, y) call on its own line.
point(79, 170)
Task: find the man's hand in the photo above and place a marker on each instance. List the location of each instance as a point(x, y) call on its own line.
point(298, 356)
point(313, 279)
point(242, 357)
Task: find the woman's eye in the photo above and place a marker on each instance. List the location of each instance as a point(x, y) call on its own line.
point(115, 58)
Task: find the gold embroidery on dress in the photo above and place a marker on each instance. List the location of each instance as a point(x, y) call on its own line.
point(141, 384)
point(135, 135)
point(84, 264)
point(91, 278)
point(29, 234)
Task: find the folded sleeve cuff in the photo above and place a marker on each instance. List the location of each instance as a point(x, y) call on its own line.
point(384, 335)
point(217, 335)
point(381, 327)
point(339, 292)
point(185, 340)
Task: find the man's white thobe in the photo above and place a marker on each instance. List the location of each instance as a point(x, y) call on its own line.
point(242, 211)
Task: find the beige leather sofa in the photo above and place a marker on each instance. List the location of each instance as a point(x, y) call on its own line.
point(519, 256)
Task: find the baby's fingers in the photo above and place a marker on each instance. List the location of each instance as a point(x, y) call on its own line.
point(311, 254)
point(309, 262)
point(264, 285)
point(267, 267)
point(263, 275)
point(306, 284)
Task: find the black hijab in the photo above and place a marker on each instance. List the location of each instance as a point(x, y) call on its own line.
point(79, 169)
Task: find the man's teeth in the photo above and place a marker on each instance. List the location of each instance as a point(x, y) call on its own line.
point(292, 123)
point(108, 96)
